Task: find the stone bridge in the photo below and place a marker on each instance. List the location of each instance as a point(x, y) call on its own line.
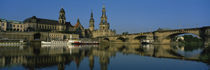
point(160, 37)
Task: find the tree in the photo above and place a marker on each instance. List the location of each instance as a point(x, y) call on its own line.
point(125, 33)
point(190, 38)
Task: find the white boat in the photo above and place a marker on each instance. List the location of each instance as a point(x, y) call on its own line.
point(59, 43)
point(12, 42)
point(147, 41)
point(54, 43)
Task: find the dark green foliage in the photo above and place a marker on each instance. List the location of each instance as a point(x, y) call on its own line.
point(125, 33)
point(190, 38)
point(192, 46)
point(140, 37)
point(174, 38)
point(205, 55)
point(190, 42)
point(123, 39)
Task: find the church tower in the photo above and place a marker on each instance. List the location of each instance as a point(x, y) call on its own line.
point(62, 18)
point(91, 22)
point(104, 25)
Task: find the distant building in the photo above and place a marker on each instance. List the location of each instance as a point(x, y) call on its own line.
point(11, 25)
point(104, 27)
point(35, 24)
point(46, 25)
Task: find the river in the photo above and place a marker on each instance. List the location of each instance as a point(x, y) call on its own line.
point(106, 57)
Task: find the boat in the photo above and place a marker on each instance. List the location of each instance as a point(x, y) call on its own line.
point(68, 43)
point(147, 41)
point(12, 42)
point(85, 43)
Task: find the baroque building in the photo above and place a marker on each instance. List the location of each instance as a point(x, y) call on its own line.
point(35, 24)
point(104, 27)
point(46, 25)
point(11, 25)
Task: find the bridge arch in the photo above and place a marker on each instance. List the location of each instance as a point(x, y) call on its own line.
point(176, 34)
point(122, 39)
point(107, 39)
point(169, 38)
point(37, 36)
point(64, 37)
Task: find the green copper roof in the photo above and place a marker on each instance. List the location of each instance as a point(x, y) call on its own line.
point(14, 21)
point(11, 21)
point(1, 19)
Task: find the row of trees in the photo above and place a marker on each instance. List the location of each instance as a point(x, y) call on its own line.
point(190, 38)
point(191, 42)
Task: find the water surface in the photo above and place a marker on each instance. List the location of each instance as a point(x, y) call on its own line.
point(105, 57)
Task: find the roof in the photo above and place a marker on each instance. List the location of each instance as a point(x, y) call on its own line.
point(11, 21)
point(47, 21)
point(34, 19)
point(14, 21)
point(2, 19)
point(78, 24)
point(68, 23)
point(62, 10)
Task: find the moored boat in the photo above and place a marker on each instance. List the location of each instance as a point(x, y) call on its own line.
point(12, 42)
point(68, 42)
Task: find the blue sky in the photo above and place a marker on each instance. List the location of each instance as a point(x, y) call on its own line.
point(124, 15)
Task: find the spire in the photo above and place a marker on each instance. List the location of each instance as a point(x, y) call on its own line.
point(78, 23)
point(91, 22)
point(62, 10)
point(104, 25)
point(91, 17)
point(78, 20)
point(103, 17)
point(103, 6)
point(62, 18)
point(91, 14)
point(104, 11)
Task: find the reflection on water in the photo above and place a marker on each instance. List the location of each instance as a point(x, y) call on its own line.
point(188, 52)
point(105, 57)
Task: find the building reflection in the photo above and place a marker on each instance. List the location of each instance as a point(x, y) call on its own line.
point(33, 58)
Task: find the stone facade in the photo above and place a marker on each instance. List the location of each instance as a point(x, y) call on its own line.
point(104, 27)
point(160, 36)
point(3, 25)
point(47, 25)
point(11, 25)
point(44, 36)
point(35, 24)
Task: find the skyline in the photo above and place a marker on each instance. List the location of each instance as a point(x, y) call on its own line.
point(124, 16)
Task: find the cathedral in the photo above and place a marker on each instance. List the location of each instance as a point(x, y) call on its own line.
point(104, 27)
point(35, 24)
